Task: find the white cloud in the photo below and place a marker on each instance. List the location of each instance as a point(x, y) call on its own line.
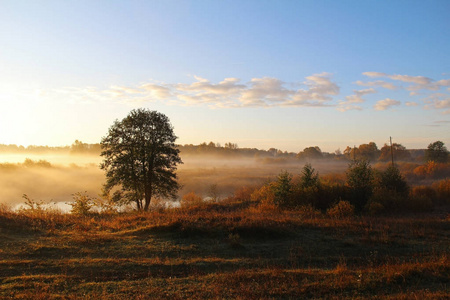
point(439, 101)
point(417, 83)
point(321, 89)
point(157, 91)
point(265, 90)
point(385, 104)
point(420, 80)
point(348, 104)
point(375, 74)
point(381, 83)
point(357, 97)
point(316, 90)
point(345, 106)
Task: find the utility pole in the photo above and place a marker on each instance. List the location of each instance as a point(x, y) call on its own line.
point(392, 152)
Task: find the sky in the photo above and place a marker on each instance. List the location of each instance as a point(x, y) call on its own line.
point(262, 74)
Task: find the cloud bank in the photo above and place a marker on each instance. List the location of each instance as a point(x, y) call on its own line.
point(317, 90)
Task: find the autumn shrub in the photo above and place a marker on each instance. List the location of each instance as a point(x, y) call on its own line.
point(432, 170)
point(342, 210)
point(419, 203)
point(244, 194)
point(333, 179)
point(390, 200)
point(374, 208)
point(191, 199)
point(302, 196)
point(423, 191)
point(327, 195)
point(442, 189)
point(82, 204)
point(264, 197)
point(421, 198)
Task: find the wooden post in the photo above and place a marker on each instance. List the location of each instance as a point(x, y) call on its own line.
point(392, 152)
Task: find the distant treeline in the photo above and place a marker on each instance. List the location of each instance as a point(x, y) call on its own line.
point(368, 151)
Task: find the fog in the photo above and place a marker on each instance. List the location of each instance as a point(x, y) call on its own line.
point(56, 177)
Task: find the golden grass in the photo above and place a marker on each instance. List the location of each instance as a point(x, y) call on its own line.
point(232, 250)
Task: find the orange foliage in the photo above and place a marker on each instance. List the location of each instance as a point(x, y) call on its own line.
point(191, 199)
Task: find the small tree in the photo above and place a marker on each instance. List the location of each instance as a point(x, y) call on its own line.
point(140, 157)
point(392, 180)
point(436, 152)
point(283, 189)
point(310, 177)
point(360, 182)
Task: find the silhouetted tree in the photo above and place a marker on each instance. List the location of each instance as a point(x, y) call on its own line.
point(140, 157)
point(310, 153)
point(368, 151)
point(436, 152)
point(400, 153)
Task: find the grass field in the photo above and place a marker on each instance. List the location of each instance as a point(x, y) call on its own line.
point(228, 250)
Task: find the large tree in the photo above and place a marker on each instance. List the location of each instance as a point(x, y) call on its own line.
point(140, 158)
point(399, 151)
point(436, 152)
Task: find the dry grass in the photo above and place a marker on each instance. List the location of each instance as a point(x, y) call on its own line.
point(233, 249)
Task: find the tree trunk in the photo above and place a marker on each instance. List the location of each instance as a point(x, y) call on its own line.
point(148, 197)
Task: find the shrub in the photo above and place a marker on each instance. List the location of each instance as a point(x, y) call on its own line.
point(374, 208)
point(342, 210)
point(389, 199)
point(82, 204)
point(263, 195)
point(420, 203)
point(442, 189)
point(191, 199)
point(31, 204)
point(329, 195)
point(244, 194)
point(423, 191)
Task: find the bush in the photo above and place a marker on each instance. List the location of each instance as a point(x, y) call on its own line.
point(374, 208)
point(342, 210)
point(390, 199)
point(420, 203)
point(423, 191)
point(82, 204)
point(442, 189)
point(191, 199)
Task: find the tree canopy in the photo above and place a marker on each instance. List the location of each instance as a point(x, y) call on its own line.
point(140, 157)
point(436, 152)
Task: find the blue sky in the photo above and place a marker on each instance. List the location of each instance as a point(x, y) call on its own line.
point(283, 74)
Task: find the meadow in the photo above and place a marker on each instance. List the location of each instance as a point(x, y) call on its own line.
point(225, 236)
point(235, 249)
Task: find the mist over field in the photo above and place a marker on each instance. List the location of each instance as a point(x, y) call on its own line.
point(56, 177)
